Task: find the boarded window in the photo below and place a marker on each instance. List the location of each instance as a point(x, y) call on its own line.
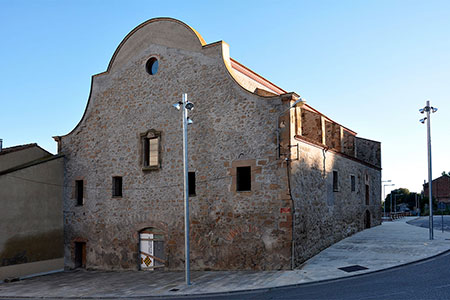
point(191, 186)
point(243, 179)
point(335, 181)
point(151, 150)
point(154, 152)
point(79, 189)
point(117, 186)
point(353, 183)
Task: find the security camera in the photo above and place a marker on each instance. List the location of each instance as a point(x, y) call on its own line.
point(177, 105)
point(189, 105)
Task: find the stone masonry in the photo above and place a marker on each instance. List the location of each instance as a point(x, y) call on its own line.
point(291, 211)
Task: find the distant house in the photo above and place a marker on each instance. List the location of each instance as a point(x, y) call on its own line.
point(440, 188)
point(31, 227)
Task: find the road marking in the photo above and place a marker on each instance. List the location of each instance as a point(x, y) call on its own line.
point(378, 296)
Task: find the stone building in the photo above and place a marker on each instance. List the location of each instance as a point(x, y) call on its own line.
point(31, 220)
point(440, 188)
point(270, 185)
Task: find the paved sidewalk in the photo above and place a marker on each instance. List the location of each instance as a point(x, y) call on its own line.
point(391, 244)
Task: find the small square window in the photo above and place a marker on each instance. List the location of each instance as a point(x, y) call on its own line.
point(117, 186)
point(353, 183)
point(243, 179)
point(79, 191)
point(191, 185)
point(335, 181)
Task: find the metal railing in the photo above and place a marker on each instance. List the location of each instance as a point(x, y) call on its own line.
point(395, 216)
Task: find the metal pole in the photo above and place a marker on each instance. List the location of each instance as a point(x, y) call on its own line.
point(429, 170)
point(395, 203)
point(417, 206)
point(186, 193)
point(384, 199)
point(390, 202)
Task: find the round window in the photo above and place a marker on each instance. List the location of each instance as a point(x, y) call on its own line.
point(152, 66)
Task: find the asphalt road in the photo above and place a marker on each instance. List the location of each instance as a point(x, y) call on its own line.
point(437, 222)
point(429, 280)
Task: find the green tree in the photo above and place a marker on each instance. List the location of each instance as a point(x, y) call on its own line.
point(424, 202)
point(401, 195)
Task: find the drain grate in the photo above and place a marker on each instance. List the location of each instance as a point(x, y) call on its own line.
point(353, 268)
point(174, 290)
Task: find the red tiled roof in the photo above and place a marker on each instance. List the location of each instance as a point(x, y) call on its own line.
point(258, 78)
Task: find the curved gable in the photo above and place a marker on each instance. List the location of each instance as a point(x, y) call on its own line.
point(161, 31)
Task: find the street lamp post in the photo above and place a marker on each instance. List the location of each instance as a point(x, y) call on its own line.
point(384, 195)
point(395, 202)
point(185, 105)
point(427, 109)
point(390, 204)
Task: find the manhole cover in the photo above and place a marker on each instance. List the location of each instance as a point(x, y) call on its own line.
point(353, 268)
point(174, 290)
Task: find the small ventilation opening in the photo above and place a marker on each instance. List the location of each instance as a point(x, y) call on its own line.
point(335, 181)
point(117, 186)
point(79, 188)
point(367, 195)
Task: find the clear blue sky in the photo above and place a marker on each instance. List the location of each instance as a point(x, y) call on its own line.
point(369, 65)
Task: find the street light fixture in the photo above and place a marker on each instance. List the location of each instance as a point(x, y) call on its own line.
point(427, 110)
point(187, 106)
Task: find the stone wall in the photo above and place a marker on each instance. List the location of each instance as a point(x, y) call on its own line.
point(368, 151)
point(348, 143)
point(311, 126)
point(324, 216)
point(333, 135)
